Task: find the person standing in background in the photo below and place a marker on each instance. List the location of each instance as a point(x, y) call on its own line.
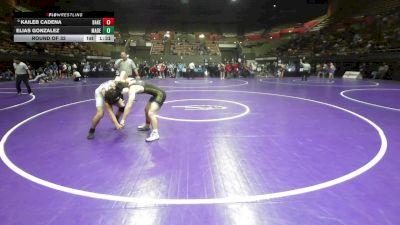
point(325, 70)
point(281, 69)
point(126, 64)
point(22, 74)
point(54, 67)
point(63, 70)
point(180, 68)
point(331, 71)
point(162, 68)
point(192, 67)
point(228, 70)
point(306, 70)
point(318, 70)
point(221, 68)
point(6, 75)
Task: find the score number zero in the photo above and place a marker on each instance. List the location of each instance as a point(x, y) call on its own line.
point(107, 23)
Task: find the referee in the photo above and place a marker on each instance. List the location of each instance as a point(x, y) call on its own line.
point(305, 70)
point(126, 64)
point(22, 73)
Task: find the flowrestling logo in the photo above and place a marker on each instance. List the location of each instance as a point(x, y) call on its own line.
point(200, 107)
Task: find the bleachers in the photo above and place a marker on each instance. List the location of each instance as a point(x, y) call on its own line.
point(157, 48)
point(324, 21)
point(185, 48)
point(213, 48)
point(375, 8)
point(382, 7)
point(352, 35)
point(195, 48)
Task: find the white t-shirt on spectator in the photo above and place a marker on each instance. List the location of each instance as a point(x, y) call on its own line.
point(192, 66)
point(306, 67)
point(76, 74)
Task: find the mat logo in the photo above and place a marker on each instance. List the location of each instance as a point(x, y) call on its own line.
point(201, 107)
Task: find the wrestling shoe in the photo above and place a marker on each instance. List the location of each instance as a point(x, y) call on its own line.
point(153, 137)
point(143, 127)
point(90, 136)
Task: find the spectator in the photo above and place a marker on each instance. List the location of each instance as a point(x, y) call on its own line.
point(64, 70)
point(281, 69)
point(363, 70)
point(382, 71)
point(318, 70)
point(332, 70)
point(86, 69)
point(6, 75)
point(54, 68)
point(161, 70)
point(180, 68)
point(76, 76)
point(325, 70)
point(228, 70)
point(192, 67)
point(221, 69)
point(41, 76)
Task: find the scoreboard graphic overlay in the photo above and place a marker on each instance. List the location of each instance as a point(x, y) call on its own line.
point(64, 27)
